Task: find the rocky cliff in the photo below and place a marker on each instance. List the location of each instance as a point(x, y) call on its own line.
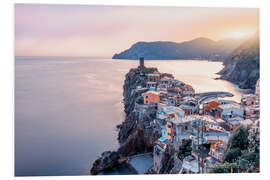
point(136, 135)
point(242, 67)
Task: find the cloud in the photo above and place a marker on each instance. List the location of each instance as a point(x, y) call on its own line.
point(83, 30)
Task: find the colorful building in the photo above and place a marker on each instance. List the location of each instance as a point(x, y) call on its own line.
point(151, 97)
point(227, 111)
point(154, 77)
point(209, 106)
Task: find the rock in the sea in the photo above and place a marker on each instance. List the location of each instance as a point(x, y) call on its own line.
point(107, 161)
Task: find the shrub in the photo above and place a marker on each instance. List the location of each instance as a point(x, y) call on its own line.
point(232, 155)
point(184, 149)
point(219, 169)
point(239, 138)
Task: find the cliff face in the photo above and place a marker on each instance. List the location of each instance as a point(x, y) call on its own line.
point(200, 48)
point(242, 67)
point(136, 135)
point(135, 132)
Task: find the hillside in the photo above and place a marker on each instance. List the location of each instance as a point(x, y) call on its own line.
point(242, 67)
point(199, 48)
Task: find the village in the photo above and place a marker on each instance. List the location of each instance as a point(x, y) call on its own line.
point(204, 122)
point(171, 129)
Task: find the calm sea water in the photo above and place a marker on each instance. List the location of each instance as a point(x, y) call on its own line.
point(67, 109)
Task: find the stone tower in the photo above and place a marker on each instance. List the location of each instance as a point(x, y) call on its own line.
point(141, 62)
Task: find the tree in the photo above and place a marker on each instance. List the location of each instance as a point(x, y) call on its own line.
point(238, 143)
point(241, 155)
point(243, 164)
point(239, 139)
point(232, 155)
point(252, 157)
point(219, 169)
point(184, 149)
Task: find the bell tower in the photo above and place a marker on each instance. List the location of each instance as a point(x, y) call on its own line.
point(141, 62)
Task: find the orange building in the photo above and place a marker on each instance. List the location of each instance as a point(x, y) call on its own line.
point(151, 97)
point(210, 105)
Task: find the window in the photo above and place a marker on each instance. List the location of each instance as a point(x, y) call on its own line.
point(169, 134)
point(146, 101)
point(146, 97)
point(169, 126)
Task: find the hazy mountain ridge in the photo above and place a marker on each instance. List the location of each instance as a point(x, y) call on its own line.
point(199, 48)
point(242, 66)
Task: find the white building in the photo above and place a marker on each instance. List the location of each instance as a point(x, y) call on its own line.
point(165, 111)
point(227, 111)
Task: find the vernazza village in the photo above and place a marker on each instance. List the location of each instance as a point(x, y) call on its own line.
point(179, 131)
point(125, 90)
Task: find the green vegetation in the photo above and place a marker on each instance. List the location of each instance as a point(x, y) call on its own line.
point(232, 155)
point(239, 157)
point(185, 149)
point(219, 169)
point(239, 139)
point(139, 100)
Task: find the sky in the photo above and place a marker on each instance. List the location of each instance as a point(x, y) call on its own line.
point(101, 31)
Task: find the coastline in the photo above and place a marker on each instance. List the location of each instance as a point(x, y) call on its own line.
point(130, 87)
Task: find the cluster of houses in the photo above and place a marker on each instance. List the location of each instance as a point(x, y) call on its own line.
point(181, 116)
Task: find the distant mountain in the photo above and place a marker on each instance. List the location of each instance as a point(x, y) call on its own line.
point(242, 66)
point(199, 48)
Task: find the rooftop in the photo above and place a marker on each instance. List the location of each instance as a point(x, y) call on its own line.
point(191, 165)
point(189, 98)
point(232, 105)
point(225, 101)
point(220, 120)
point(150, 82)
point(171, 109)
point(157, 75)
point(237, 118)
point(205, 118)
point(247, 122)
point(185, 106)
point(248, 96)
point(152, 92)
point(180, 120)
point(165, 79)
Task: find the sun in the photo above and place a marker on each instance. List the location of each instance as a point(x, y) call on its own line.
point(241, 33)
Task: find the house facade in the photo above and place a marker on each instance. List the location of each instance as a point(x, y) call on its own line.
point(151, 97)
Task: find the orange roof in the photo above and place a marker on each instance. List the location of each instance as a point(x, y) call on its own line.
point(207, 108)
point(214, 104)
point(211, 105)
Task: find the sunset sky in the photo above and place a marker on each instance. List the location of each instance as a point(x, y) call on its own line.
point(87, 30)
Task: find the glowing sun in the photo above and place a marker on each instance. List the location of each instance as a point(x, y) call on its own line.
point(242, 33)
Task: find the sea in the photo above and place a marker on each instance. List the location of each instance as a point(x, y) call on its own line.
point(67, 108)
